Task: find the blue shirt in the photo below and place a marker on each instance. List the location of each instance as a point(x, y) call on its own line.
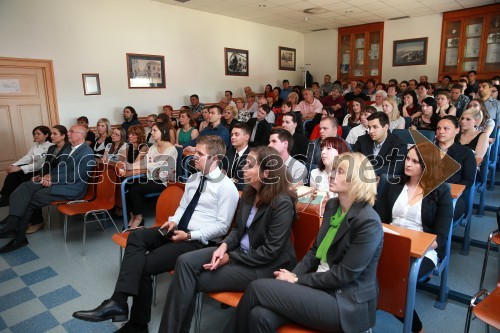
point(285, 92)
point(219, 130)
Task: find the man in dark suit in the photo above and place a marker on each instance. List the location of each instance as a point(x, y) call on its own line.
point(67, 182)
point(385, 150)
point(236, 156)
point(260, 127)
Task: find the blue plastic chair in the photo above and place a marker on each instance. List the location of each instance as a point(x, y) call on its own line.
point(404, 135)
point(407, 122)
point(494, 158)
point(481, 182)
point(465, 219)
point(430, 135)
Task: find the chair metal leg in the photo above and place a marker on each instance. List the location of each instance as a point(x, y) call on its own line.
point(121, 257)
point(84, 233)
point(154, 290)
point(485, 261)
point(466, 242)
point(49, 213)
point(65, 227)
point(443, 289)
point(468, 319)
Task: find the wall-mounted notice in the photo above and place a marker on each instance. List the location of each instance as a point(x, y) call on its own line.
point(8, 86)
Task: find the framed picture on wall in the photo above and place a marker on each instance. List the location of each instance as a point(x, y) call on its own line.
point(145, 71)
point(236, 62)
point(409, 52)
point(91, 84)
point(286, 58)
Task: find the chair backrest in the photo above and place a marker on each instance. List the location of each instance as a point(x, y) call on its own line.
point(94, 177)
point(404, 135)
point(305, 229)
point(407, 122)
point(428, 134)
point(167, 203)
point(106, 187)
point(345, 131)
point(392, 273)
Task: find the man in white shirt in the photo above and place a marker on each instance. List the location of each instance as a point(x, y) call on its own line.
point(281, 140)
point(310, 106)
point(149, 253)
point(362, 128)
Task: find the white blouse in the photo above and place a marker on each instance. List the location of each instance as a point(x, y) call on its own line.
point(33, 160)
point(115, 157)
point(161, 166)
point(320, 181)
point(410, 217)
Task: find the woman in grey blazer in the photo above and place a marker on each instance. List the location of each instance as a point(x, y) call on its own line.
point(259, 244)
point(334, 287)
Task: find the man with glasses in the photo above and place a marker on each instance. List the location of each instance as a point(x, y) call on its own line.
point(67, 182)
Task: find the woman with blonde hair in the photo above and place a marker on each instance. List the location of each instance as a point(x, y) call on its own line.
point(293, 98)
point(390, 108)
point(187, 130)
point(469, 135)
point(230, 113)
point(310, 294)
point(103, 137)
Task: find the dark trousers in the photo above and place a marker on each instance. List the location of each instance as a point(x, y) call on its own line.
point(426, 268)
point(27, 198)
point(147, 253)
point(269, 303)
point(136, 192)
point(190, 277)
point(13, 180)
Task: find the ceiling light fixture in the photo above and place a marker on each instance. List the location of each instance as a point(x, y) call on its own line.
point(307, 18)
point(314, 11)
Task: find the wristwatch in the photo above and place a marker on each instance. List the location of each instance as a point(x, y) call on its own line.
point(188, 236)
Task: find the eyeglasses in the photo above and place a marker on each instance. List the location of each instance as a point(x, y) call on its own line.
point(150, 121)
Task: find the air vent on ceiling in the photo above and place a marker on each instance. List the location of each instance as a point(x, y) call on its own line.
point(181, 1)
point(398, 18)
point(322, 29)
point(314, 11)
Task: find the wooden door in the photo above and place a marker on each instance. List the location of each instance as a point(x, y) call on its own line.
point(27, 99)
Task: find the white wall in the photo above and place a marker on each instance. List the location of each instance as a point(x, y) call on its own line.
point(93, 36)
point(321, 49)
point(423, 26)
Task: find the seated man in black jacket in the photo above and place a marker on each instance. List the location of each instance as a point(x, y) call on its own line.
point(385, 150)
point(236, 156)
point(259, 135)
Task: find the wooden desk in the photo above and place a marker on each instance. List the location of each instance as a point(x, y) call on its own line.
point(456, 190)
point(420, 243)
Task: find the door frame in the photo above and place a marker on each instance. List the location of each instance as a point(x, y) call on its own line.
point(48, 76)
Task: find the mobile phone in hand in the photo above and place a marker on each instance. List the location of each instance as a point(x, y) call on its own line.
point(167, 233)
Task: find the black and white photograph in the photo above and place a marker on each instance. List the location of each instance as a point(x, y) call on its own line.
point(409, 52)
point(236, 62)
point(452, 42)
point(145, 71)
point(286, 58)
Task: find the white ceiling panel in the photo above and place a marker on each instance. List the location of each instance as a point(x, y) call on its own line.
point(288, 14)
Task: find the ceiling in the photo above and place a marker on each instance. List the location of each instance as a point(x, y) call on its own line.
point(288, 14)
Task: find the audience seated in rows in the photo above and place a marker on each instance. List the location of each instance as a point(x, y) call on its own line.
point(362, 128)
point(215, 127)
point(67, 182)
point(470, 136)
point(199, 221)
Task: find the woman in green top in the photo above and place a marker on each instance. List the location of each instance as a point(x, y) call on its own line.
point(186, 131)
point(334, 287)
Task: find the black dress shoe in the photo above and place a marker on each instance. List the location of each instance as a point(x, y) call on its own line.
point(109, 309)
point(14, 245)
point(8, 234)
point(130, 327)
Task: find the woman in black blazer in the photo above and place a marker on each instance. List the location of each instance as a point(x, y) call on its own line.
point(258, 245)
point(419, 202)
point(334, 287)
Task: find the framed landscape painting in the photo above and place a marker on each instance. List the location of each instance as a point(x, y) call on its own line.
point(286, 58)
point(409, 52)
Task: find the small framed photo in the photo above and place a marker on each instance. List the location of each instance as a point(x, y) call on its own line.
point(286, 58)
point(409, 52)
point(145, 71)
point(236, 62)
point(91, 84)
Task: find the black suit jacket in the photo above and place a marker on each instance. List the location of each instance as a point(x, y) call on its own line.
point(299, 148)
point(270, 236)
point(236, 172)
point(353, 259)
point(437, 210)
point(390, 159)
point(262, 134)
point(52, 160)
point(465, 157)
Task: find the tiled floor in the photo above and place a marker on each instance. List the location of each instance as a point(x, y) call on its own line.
point(43, 284)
